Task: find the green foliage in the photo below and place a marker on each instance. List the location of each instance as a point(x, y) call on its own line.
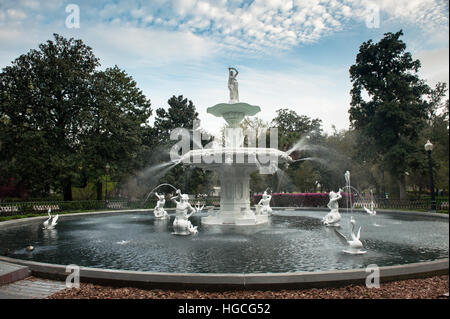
point(391, 120)
point(291, 127)
point(61, 121)
point(180, 114)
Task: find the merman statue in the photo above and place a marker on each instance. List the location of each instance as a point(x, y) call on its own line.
point(159, 211)
point(184, 210)
point(333, 217)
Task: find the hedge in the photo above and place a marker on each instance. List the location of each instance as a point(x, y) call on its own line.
point(303, 199)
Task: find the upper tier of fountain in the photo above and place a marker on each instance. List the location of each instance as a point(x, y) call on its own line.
point(252, 158)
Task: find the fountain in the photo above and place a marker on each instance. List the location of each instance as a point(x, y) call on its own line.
point(286, 251)
point(234, 162)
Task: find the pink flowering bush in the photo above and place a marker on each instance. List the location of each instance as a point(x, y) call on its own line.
point(303, 199)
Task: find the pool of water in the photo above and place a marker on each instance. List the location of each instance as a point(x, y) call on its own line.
point(292, 241)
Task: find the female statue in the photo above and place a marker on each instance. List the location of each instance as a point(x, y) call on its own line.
point(233, 85)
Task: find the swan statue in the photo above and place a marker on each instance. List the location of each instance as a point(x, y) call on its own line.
point(371, 211)
point(355, 244)
point(50, 225)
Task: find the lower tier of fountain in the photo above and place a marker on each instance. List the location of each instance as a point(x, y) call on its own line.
point(234, 166)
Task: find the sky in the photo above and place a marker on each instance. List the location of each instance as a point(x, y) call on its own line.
point(290, 53)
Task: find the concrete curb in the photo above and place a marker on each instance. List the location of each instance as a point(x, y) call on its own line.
point(12, 272)
point(234, 281)
point(224, 281)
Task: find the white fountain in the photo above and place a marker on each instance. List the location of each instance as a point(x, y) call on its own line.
point(234, 162)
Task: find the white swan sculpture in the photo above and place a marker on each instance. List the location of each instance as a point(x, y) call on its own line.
point(355, 244)
point(50, 225)
point(371, 211)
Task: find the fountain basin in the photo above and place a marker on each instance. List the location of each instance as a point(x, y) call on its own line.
point(230, 257)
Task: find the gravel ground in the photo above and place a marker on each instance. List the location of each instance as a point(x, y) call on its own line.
point(427, 288)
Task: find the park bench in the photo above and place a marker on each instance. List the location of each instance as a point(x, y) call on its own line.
point(45, 208)
point(115, 205)
point(9, 210)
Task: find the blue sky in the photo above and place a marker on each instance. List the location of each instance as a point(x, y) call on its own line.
point(290, 54)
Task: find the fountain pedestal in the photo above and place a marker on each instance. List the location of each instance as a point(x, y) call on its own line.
point(235, 199)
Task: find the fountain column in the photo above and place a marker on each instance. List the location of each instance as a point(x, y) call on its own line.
point(235, 196)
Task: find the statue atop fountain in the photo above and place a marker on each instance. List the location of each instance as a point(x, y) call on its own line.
point(263, 207)
point(333, 217)
point(233, 85)
point(182, 225)
point(159, 211)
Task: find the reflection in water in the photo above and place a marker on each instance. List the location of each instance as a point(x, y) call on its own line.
point(293, 241)
point(160, 225)
point(50, 234)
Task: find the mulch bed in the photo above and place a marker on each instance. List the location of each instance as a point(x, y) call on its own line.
point(427, 288)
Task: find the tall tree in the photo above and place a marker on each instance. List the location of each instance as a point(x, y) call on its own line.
point(394, 114)
point(62, 121)
point(43, 99)
point(119, 112)
point(292, 126)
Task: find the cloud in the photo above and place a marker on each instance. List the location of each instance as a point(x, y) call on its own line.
point(435, 65)
point(248, 25)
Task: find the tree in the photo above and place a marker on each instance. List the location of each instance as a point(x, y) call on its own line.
point(391, 119)
point(44, 97)
point(180, 114)
point(115, 128)
point(62, 121)
point(291, 127)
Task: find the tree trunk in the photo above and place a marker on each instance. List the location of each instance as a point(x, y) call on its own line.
point(99, 188)
point(67, 190)
point(402, 186)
